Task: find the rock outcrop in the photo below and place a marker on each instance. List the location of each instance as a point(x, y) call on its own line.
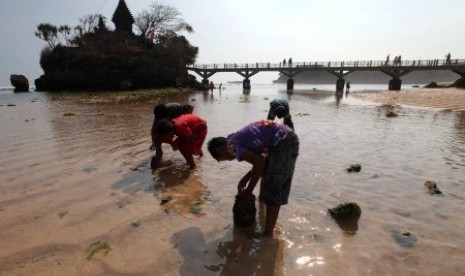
point(20, 83)
point(115, 61)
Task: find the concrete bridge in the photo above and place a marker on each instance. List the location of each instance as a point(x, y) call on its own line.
point(396, 69)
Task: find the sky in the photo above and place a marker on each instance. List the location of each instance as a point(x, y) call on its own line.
point(240, 31)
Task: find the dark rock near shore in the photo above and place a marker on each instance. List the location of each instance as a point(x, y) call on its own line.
point(345, 211)
point(347, 216)
point(20, 83)
point(460, 83)
point(432, 85)
point(354, 168)
point(391, 114)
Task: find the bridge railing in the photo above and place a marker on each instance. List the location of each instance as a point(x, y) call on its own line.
point(331, 64)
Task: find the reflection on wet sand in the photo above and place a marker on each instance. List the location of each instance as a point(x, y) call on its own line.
point(180, 191)
point(234, 254)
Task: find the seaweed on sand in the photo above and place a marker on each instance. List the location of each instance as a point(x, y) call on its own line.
point(95, 247)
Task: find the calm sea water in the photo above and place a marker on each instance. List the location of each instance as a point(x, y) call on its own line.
point(402, 230)
point(397, 156)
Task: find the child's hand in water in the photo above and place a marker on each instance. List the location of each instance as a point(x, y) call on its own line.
point(152, 147)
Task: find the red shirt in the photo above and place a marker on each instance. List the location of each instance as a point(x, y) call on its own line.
point(186, 125)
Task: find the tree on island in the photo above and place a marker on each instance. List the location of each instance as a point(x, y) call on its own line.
point(96, 58)
point(161, 19)
point(61, 35)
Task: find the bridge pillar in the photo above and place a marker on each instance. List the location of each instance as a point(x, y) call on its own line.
point(290, 84)
point(205, 83)
point(395, 84)
point(246, 84)
point(340, 85)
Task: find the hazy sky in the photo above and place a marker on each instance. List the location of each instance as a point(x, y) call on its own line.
point(259, 30)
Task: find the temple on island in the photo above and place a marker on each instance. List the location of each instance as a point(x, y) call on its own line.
point(123, 18)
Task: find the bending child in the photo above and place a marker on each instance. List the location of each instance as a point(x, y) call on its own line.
point(190, 130)
point(250, 144)
point(167, 111)
point(280, 108)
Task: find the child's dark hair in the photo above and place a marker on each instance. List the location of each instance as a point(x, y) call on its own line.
point(214, 144)
point(160, 111)
point(164, 126)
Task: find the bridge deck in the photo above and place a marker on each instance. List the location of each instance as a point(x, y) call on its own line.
point(371, 65)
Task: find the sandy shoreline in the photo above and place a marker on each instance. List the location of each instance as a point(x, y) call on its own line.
point(447, 99)
point(75, 171)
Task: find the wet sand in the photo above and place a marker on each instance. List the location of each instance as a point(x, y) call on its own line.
point(76, 171)
point(447, 99)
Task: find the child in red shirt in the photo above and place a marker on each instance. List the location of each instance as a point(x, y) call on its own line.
point(191, 131)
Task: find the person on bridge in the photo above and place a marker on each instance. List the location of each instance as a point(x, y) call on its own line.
point(191, 131)
point(168, 111)
point(280, 108)
point(252, 143)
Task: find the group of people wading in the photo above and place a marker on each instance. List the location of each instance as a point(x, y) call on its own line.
point(270, 146)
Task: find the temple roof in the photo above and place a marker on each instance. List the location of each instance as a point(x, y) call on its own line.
point(122, 17)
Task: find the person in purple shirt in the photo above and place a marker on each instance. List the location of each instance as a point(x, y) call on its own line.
point(272, 149)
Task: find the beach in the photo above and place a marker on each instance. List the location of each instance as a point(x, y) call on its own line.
point(78, 195)
point(446, 99)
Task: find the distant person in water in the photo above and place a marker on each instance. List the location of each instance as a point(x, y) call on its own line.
point(251, 143)
point(212, 86)
point(190, 131)
point(167, 111)
point(348, 87)
point(280, 108)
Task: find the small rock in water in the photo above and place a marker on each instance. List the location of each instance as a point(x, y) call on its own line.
point(165, 200)
point(391, 114)
point(345, 211)
point(405, 233)
point(432, 187)
point(354, 168)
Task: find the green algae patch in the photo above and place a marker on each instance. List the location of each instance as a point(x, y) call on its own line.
point(195, 206)
point(99, 246)
point(195, 209)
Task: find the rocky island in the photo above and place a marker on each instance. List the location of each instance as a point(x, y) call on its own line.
point(103, 59)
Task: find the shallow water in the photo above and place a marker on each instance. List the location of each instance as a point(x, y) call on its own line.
point(86, 177)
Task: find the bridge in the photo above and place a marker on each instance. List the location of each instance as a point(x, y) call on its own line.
point(395, 69)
